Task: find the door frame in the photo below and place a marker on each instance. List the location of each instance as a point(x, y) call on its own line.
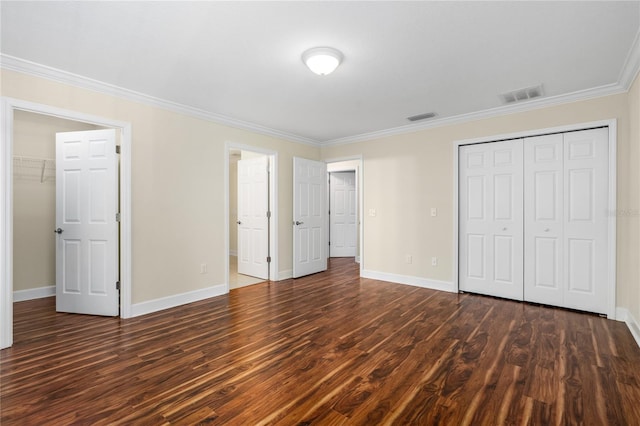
point(360, 199)
point(612, 125)
point(273, 205)
point(7, 108)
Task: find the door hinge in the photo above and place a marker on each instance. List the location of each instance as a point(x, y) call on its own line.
point(117, 149)
point(268, 215)
point(268, 259)
point(117, 217)
point(329, 242)
point(117, 285)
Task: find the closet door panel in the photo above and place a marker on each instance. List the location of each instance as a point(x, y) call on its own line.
point(586, 224)
point(490, 237)
point(543, 229)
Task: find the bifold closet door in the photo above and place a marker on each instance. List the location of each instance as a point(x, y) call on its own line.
point(491, 219)
point(544, 219)
point(566, 225)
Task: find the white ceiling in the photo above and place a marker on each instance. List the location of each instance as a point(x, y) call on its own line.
point(241, 60)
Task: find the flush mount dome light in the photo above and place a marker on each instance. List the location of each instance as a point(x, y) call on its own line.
point(322, 60)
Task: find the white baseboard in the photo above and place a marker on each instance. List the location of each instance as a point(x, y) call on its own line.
point(34, 293)
point(409, 280)
point(285, 275)
point(156, 305)
point(623, 314)
point(233, 253)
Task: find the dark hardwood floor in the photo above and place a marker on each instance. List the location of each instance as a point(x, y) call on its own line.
point(325, 349)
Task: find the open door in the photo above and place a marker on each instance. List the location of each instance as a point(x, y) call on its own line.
point(86, 223)
point(309, 217)
point(253, 219)
point(342, 214)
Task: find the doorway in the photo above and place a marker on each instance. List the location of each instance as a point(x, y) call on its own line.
point(251, 215)
point(347, 167)
point(343, 214)
point(11, 108)
point(34, 202)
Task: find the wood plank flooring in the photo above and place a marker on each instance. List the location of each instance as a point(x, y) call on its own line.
point(327, 349)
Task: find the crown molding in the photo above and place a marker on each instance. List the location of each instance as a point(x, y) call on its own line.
point(627, 76)
point(610, 89)
point(631, 64)
point(23, 66)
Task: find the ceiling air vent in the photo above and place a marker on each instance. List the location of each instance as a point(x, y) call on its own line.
point(522, 94)
point(421, 116)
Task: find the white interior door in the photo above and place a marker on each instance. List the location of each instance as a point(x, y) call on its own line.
point(86, 207)
point(342, 214)
point(491, 222)
point(253, 222)
point(586, 182)
point(544, 219)
point(309, 216)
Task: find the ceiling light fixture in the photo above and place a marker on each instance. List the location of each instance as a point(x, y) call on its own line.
point(322, 60)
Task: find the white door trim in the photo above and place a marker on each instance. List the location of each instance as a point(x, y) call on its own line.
point(360, 189)
point(273, 203)
point(612, 206)
point(7, 107)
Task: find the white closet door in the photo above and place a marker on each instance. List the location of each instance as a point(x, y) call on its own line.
point(586, 182)
point(87, 228)
point(543, 219)
point(566, 235)
point(491, 219)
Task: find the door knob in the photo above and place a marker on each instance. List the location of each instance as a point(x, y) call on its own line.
point(504, 229)
point(239, 223)
point(546, 229)
point(299, 223)
point(59, 231)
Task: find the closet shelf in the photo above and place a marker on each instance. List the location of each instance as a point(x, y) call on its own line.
point(34, 168)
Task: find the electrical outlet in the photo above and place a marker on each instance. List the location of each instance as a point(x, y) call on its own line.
point(408, 258)
point(434, 261)
point(203, 268)
point(434, 212)
point(372, 212)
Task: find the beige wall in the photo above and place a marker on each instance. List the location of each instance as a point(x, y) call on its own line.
point(177, 185)
point(34, 199)
point(406, 175)
point(632, 219)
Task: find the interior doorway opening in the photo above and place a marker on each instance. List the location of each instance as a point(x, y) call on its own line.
point(343, 214)
point(9, 108)
point(340, 212)
point(249, 206)
point(251, 212)
point(34, 202)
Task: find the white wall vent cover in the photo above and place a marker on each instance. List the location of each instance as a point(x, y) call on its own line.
point(522, 94)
